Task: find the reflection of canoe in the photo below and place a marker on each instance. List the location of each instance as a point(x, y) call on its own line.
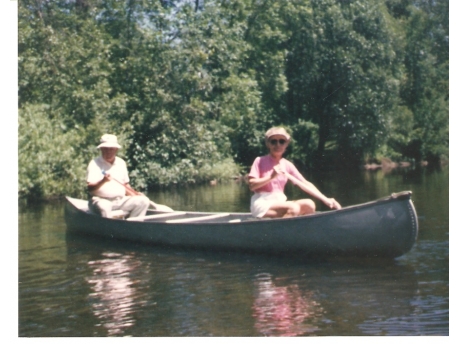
point(386, 227)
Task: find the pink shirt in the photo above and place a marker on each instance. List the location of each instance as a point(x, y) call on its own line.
point(263, 166)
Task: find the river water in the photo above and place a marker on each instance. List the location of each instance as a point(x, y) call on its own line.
point(77, 286)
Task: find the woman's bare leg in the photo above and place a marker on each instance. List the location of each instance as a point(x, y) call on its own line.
point(307, 206)
point(283, 209)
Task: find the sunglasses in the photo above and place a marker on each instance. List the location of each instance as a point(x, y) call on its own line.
point(274, 142)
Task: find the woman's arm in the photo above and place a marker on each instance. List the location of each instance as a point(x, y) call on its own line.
point(312, 190)
point(255, 180)
point(256, 183)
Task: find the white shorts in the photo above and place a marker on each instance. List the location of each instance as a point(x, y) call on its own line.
point(262, 201)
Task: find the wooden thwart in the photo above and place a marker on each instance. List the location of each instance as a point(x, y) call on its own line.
point(200, 218)
point(157, 216)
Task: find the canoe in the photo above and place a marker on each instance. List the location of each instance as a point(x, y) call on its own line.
point(386, 227)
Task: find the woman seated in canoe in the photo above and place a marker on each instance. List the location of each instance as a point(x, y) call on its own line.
point(269, 175)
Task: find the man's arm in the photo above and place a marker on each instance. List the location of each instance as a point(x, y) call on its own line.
point(95, 186)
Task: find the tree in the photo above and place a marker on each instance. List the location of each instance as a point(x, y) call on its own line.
point(426, 89)
point(343, 75)
point(191, 86)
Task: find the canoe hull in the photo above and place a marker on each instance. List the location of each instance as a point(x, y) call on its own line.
point(383, 228)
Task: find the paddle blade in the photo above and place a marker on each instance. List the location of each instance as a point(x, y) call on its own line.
point(160, 207)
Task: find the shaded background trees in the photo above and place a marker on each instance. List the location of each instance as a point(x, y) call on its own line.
point(191, 86)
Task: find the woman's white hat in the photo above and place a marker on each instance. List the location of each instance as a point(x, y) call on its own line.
point(277, 131)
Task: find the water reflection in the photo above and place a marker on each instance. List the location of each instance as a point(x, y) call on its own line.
point(114, 291)
point(283, 310)
point(81, 287)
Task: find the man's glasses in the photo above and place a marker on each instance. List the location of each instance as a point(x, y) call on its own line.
point(274, 142)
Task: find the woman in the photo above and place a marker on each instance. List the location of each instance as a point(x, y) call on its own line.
point(269, 175)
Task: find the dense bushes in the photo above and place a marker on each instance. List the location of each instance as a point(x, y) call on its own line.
point(190, 87)
point(48, 155)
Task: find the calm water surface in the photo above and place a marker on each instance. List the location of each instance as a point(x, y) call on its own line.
point(77, 286)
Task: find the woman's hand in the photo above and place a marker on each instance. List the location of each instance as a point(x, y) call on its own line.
point(256, 183)
point(333, 204)
point(278, 170)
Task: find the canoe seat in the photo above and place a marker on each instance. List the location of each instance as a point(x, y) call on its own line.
point(119, 214)
point(156, 216)
point(198, 219)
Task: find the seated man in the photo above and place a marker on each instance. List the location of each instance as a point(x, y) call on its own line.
point(108, 183)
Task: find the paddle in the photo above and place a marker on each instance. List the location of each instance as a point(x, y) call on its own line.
point(330, 202)
point(131, 192)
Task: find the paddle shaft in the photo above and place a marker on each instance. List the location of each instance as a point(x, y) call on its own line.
point(130, 191)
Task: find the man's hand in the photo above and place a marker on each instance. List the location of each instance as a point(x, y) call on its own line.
point(95, 186)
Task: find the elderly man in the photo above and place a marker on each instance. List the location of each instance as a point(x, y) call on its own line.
point(108, 183)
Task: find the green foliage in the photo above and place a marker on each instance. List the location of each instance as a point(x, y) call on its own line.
point(67, 68)
point(343, 74)
point(170, 152)
point(50, 156)
point(305, 137)
point(425, 90)
point(191, 87)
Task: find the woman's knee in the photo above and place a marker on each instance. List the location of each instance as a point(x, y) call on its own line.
point(307, 206)
point(293, 209)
